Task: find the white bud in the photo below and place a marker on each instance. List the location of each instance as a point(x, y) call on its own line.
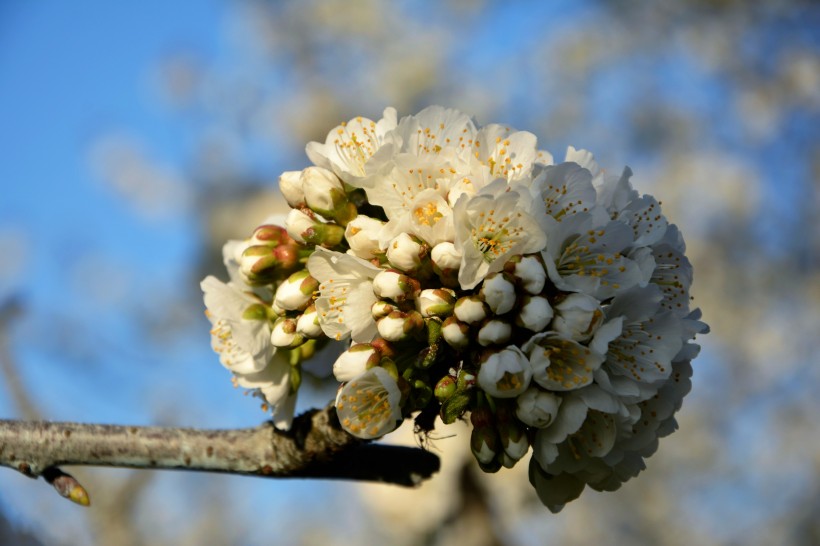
point(578, 317)
point(470, 309)
point(398, 325)
point(381, 309)
point(297, 223)
point(494, 331)
point(505, 374)
point(323, 189)
point(294, 294)
point(535, 313)
point(308, 323)
point(290, 185)
point(537, 408)
point(436, 302)
point(362, 234)
point(445, 256)
point(498, 293)
point(391, 284)
point(532, 274)
point(455, 333)
point(404, 252)
point(355, 361)
point(283, 334)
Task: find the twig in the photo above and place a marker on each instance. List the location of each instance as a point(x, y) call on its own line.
point(315, 447)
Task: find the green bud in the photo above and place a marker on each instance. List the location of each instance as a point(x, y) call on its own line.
point(454, 407)
point(445, 388)
point(256, 311)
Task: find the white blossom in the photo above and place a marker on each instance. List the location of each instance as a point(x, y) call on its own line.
point(368, 405)
point(506, 373)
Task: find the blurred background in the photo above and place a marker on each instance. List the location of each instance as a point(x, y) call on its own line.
point(136, 138)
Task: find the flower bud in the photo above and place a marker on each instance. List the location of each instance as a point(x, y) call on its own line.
point(290, 185)
point(308, 323)
point(399, 325)
point(284, 335)
point(535, 313)
point(355, 361)
point(392, 284)
point(405, 252)
point(471, 309)
point(307, 230)
point(258, 265)
point(498, 293)
point(455, 333)
point(362, 234)
point(484, 441)
point(505, 373)
point(436, 302)
point(268, 234)
point(493, 332)
point(296, 292)
point(446, 261)
point(445, 256)
point(529, 271)
point(578, 317)
point(445, 388)
point(324, 192)
point(537, 408)
point(381, 308)
point(513, 436)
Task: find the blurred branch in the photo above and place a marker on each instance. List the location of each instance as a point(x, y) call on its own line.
point(11, 310)
point(315, 447)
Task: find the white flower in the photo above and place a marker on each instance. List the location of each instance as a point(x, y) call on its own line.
point(565, 189)
point(491, 227)
point(241, 328)
point(362, 234)
point(583, 258)
point(506, 373)
point(290, 185)
point(350, 146)
point(578, 316)
point(537, 408)
point(561, 364)
point(274, 383)
point(368, 406)
point(505, 153)
point(355, 361)
point(405, 253)
point(436, 130)
point(345, 294)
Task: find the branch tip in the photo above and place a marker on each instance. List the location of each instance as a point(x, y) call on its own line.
point(67, 486)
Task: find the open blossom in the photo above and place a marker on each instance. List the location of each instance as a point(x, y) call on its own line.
point(547, 304)
point(345, 294)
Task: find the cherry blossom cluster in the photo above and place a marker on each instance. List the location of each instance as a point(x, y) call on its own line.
point(471, 277)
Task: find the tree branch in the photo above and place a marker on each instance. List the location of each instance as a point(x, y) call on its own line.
point(315, 447)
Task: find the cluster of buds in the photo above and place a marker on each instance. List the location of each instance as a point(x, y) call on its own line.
point(473, 279)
